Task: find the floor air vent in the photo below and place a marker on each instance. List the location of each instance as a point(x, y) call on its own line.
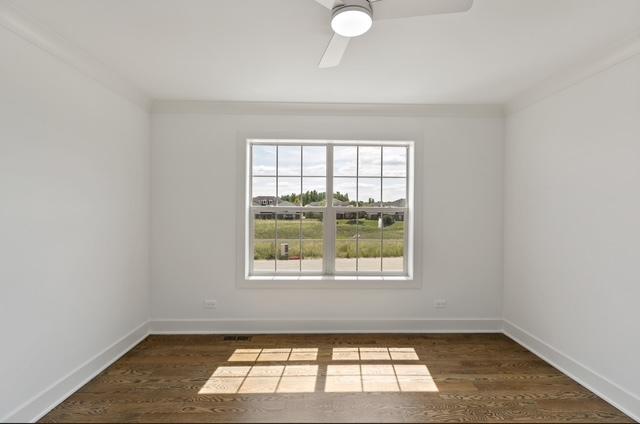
point(237, 338)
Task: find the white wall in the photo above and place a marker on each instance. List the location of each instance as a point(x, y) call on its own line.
point(74, 192)
point(195, 184)
point(572, 232)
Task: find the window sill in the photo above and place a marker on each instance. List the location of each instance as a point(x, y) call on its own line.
point(329, 282)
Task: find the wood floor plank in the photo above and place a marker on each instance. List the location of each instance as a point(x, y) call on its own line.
point(458, 378)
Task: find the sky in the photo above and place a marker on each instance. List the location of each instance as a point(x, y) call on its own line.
point(378, 172)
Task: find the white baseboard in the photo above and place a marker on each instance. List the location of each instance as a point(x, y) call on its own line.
point(256, 326)
point(39, 405)
point(622, 399)
point(42, 403)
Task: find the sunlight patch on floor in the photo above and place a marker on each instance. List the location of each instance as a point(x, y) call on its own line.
point(374, 354)
point(303, 378)
point(262, 379)
point(274, 355)
point(379, 378)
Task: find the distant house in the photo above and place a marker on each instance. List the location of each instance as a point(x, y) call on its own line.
point(346, 215)
point(272, 201)
point(340, 214)
point(349, 214)
point(400, 203)
point(337, 202)
point(264, 200)
point(318, 204)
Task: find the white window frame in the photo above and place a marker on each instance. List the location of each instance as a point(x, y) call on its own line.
point(329, 214)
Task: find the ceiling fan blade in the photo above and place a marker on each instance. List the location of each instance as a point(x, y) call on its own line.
point(327, 3)
point(393, 9)
point(334, 52)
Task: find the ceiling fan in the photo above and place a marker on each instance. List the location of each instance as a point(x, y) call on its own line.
point(352, 18)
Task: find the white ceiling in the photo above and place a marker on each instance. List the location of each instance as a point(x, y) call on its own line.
point(268, 50)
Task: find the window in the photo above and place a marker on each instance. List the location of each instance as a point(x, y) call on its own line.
point(294, 228)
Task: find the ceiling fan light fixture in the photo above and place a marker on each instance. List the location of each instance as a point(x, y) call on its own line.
point(351, 21)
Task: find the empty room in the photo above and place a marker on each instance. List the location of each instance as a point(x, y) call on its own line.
point(319, 211)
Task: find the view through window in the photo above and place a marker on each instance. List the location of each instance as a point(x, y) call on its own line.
point(296, 228)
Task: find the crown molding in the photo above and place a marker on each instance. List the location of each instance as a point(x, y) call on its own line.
point(28, 28)
point(20, 23)
point(587, 67)
point(327, 109)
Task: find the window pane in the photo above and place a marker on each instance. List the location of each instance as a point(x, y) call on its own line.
point(264, 160)
point(312, 241)
point(314, 161)
point(344, 191)
point(394, 192)
point(369, 191)
point(291, 240)
point(394, 161)
point(264, 243)
point(289, 160)
point(346, 235)
point(369, 242)
point(345, 161)
point(264, 191)
point(289, 191)
point(288, 237)
point(314, 191)
point(393, 242)
point(370, 159)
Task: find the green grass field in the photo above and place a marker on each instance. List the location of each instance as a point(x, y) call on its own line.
point(365, 231)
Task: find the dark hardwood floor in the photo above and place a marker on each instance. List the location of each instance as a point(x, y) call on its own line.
point(367, 378)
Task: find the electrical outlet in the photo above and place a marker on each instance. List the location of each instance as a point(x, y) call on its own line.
point(209, 304)
point(440, 303)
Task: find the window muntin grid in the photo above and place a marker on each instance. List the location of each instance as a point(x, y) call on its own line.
point(378, 174)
